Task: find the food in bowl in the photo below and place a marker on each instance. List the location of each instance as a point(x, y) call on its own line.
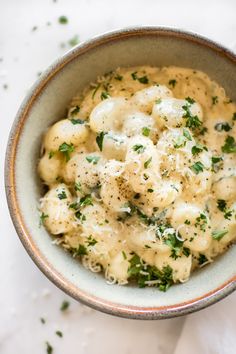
point(141, 175)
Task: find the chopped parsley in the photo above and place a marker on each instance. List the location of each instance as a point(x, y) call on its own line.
point(42, 320)
point(217, 235)
point(139, 148)
point(197, 167)
point(59, 334)
point(93, 159)
point(215, 162)
point(78, 187)
point(87, 200)
point(95, 90)
point(43, 217)
point(77, 121)
point(201, 221)
point(234, 116)
point(214, 100)
point(150, 190)
point(124, 255)
point(202, 259)
point(91, 241)
point(223, 127)
point(191, 120)
point(146, 131)
point(179, 142)
point(142, 79)
point(175, 245)
point(99, 140)
point(229, 145)
point(203, 131)
point(172, 83)
point(118, 77)
point(196, 149)
point(74, 40)
point(65, 305)
point(62, 195)
point(49, 348)
point(187, 222)
point(51, 154)
point(81, 251)
point(147, 163)
point(63, 20)
point(221, 205)
point(186, 134)
point(66, 149)
point(143, 273)
point(104, 95)
point(75, 110)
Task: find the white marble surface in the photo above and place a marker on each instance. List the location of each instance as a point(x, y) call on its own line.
point(26, 295)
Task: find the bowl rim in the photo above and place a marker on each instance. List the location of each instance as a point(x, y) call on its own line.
point(134, 312)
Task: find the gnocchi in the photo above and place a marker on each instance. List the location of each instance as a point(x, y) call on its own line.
point(140, 175)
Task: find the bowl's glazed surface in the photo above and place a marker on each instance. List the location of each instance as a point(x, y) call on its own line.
point(46, 103)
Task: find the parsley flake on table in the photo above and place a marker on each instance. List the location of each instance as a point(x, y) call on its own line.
point(63, 20)
point(49, 348)
point(64, 305)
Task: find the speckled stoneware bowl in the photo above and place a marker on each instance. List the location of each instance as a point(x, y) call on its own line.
point(46, 103)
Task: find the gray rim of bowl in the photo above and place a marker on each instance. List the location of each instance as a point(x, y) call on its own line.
point(18, 220)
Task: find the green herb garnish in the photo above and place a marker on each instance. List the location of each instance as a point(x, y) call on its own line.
point(187, 134)
point(65, 305)
point(118, 77)
point(62, 195)
point(59, 334)
point(77, 121)
point(191, 120)
point(172, 83)
point(223, 127)
point(214, 100)
point(78, 187)
point(146, 131)
point(81, 251)
point(217, 235)
point(104, 95)
point(66, 149)
point(99, 140)
point(197, 167)
point(75, 110)
point(43, 217)
point(49, 348)
point(93, 159)
point(139, 148)
point(63, 20)
point(74, 40)
point(229, 145)
point(202, 259)
point(51, 154)
point(87, 200)
point(147, 163)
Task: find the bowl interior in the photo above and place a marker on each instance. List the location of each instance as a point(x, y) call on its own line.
point(46, 104)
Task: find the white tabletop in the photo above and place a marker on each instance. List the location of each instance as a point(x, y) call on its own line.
point(30, 39)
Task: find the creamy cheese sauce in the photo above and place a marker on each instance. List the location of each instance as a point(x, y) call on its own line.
point(141, 175)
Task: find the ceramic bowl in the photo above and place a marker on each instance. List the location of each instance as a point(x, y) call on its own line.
point(45, 104)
